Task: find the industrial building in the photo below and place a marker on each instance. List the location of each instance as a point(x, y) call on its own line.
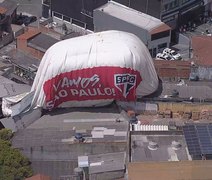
point(172, 12)
point(113, 16)
point(170, 170)
point(158, 145)
point(91, 138)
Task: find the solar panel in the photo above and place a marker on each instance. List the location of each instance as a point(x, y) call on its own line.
point(192, 140)
point(205, 139)
point(198, 138)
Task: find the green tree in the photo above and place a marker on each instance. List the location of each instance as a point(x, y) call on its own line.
point(13, 165)
point(6, 134)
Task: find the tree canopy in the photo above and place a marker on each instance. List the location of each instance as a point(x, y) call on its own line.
point(13, 165)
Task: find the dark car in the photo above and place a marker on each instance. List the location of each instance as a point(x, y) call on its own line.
point(29, 20)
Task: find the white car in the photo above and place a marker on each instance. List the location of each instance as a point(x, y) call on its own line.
point(162, 56)
point(172, 53)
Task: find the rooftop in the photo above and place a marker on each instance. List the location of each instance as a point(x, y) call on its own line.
point(29, 34)
point(51, 145)
point(38, 177)
point(202, 47)
point(8, 7)
point(22, 59)
point(10, 88)
point(164, 149)
point(170, 170)
point(202, 91)
point(42, 42)
point(2, 10)
point(106, 162)
point(132, 16)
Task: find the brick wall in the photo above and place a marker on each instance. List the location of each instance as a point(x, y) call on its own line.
point(172, 69)
point(22, 43)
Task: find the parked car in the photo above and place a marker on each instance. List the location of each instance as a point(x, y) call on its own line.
point(162, 56)
point(29, 20)
point(24, 19)
point(172, 53)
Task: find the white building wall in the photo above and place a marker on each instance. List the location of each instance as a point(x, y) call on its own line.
point(154, 44)
point(103, 21)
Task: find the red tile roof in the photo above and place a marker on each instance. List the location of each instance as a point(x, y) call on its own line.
point(39, 177)
point(202, 50)
point(161, 28)
point(2, 10)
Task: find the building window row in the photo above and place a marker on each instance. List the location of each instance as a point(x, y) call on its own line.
point(68, 19)
point(58, 15)
point(171, 5)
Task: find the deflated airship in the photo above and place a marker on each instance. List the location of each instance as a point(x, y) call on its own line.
point(94, 70)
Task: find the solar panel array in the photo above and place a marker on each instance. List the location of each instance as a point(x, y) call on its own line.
point(198, 138)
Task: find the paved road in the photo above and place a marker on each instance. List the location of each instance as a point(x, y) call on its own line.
point(30, 7)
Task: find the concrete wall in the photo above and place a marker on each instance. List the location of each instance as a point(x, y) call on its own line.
point(70, 26)
point(108, 175)
point(178, 107)
point(18, 32)
point(172, 69)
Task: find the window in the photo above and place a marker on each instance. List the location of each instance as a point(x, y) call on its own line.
point(160, 35)
point(66, 18)
point(57, 15)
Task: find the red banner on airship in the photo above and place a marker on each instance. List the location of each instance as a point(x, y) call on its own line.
point(92, 84)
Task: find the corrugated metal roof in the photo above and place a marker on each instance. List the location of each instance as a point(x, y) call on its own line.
point(107, 162)
point(130, 15)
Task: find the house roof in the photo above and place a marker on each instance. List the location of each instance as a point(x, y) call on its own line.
point(161, 28)
point(130, 15)
point(170, 170)
point(29, 34)
point(39, 177)
point(8, 7)
point(202, 48)
point(42, 42)
point(2, 10)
